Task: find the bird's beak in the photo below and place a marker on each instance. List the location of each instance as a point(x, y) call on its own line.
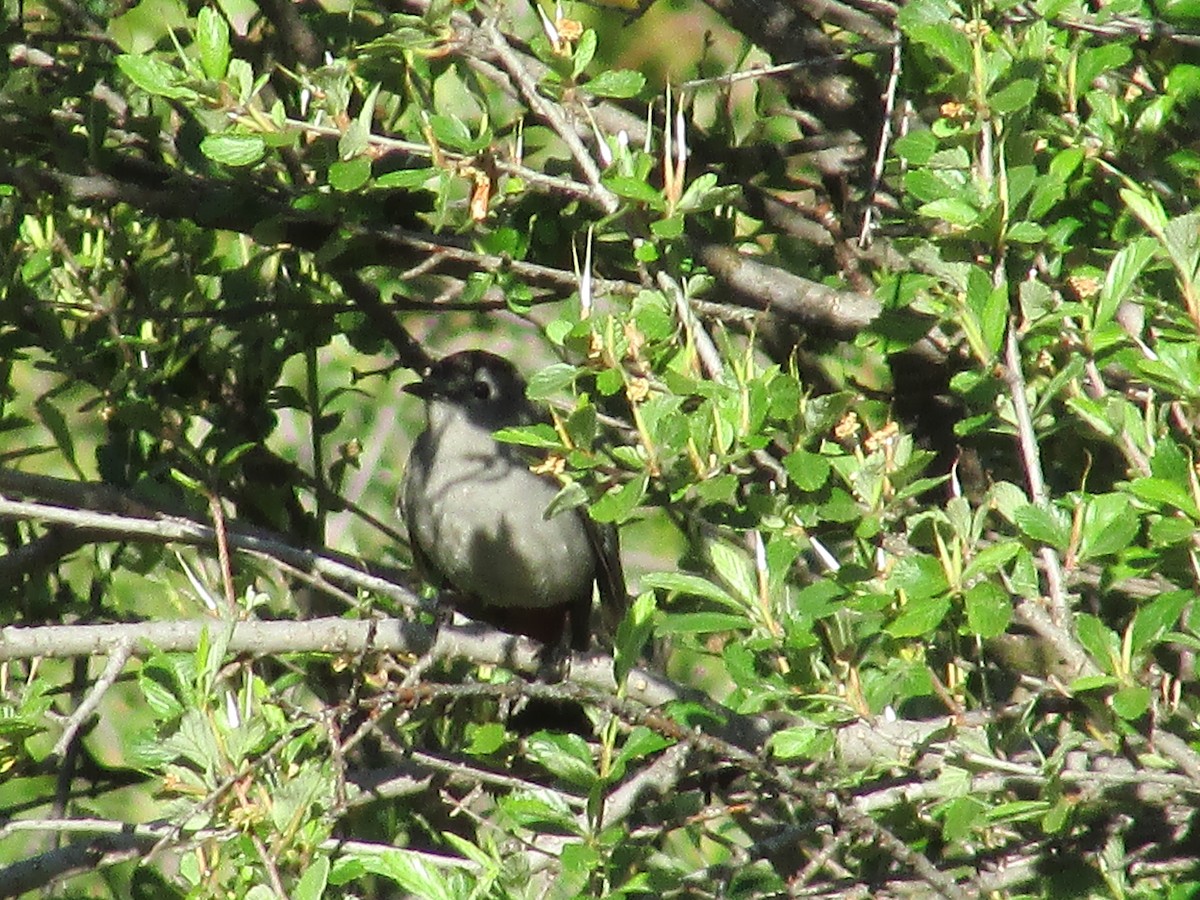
point(426, 388)
point(423, 389)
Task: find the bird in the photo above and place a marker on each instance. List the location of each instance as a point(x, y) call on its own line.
point(477, 514)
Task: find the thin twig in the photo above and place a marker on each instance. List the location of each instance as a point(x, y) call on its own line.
point(552, 115)
point(112, 671)
point(1032, 461)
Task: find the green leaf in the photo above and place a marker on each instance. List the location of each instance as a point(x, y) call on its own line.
point(960, 817)
point(584, 51)
point(952, 210)
point(486, 739)
point(1017, 95)
point(1045, 524)
point(620, 84)
point(539, 810)
point(1147, 208)
point(1095, 61)
point(1108, 525)
point(350, 175)
point(991, 558)
point(551, 381)
point(1018, 811)
point(919, 576)
point(618, 504)
point(1171, 530)
point(564, 755)
point(408, 178)
point(1026, 233)
point(702, 623)
point(668, 229)
point(633, 633)
point(1160, 492)
point(1123, 271)
point(704, 194)
point(233, 149)
point(1100, 641)
point(414, 872)
point(634, 189)
point(311, 885)
point(945, 40)
point(735, 570)
point(989, 304)
point(1156, 618)
point(798, 741)
point(1131, 702)
point(916, 147)
point(541, 436)
point(452, 132)
point(919, 617)
point(212, 39)
point(692, 585)
point(989, 609)
point(1092, 683)
point(641, 743)
point(808, 470)
point(154, 76)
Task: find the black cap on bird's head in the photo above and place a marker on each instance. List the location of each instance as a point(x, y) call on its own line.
point(488, 387)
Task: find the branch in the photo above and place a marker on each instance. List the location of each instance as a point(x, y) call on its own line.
point(108, 526)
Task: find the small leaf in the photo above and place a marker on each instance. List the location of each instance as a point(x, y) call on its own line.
point(619, 503)
point(919, 576)
point(212, 39)
point(916, 147)
point(1131, 702)
point(154, 76)
point(951, 210)
point(632, 634)
point(1017, 95)
point(543, 437)
point(989, 559)
point(552, 380)
point(702, 623)
point(1123, 271)
point(790, 743)
point(311, 885)
point(808, 470)
point(620, 84)
point(584, 52)
point(919, 617)
point(1156, 618)
point(989, 609)
point(692, 585)
point(1161, 492)
point(1045, 524)
point(350, 175)
point(233, 149)
point(634, 189)
point(1109, 526)
point(564, 755)
point(451, 132)
point(960, 817)
point(735, 570)
point(1100, 641)
point(407, 178)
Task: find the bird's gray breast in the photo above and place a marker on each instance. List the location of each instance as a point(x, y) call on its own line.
point(478, 514)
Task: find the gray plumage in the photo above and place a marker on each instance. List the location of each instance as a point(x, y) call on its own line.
point(476, 514)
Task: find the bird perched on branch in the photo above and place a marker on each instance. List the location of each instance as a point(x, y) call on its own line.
point(477, 514)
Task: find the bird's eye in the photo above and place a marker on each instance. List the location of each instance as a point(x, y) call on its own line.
point(483, 389)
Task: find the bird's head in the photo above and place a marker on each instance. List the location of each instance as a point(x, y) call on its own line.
point(485, 387)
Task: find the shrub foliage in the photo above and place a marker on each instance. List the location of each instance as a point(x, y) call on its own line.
point(874, 326)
